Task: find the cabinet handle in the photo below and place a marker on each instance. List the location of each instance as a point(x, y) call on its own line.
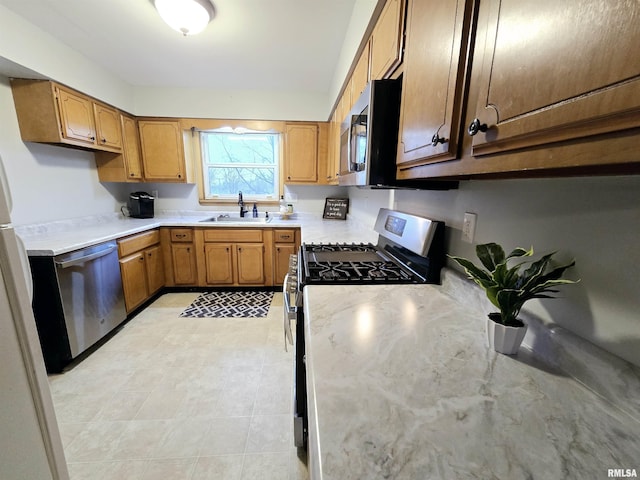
point(436, 139)
point(141, 259)
point(476, 126)
point(277, 249)
point(131, 174)
point(285, 236)
point(181, 235)
point(188, 249)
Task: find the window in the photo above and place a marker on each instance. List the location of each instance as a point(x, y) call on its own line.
point(245, 160)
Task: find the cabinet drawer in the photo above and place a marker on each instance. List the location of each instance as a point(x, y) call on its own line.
point(129, 245)
point(181, 235)
point(232, 235)
point(284, 236)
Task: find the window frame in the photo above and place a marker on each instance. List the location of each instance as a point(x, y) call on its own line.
point(259, 126)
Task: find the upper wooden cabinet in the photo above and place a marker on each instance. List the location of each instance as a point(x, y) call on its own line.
point(386, 40)
point(301, 153)
point(360, 75)
point(553, 71)
point(535, 101)
point(108, 130)
point(433, 79)
point(51, 113)
point(76, 116)
point(161, 143)
point(127, 165)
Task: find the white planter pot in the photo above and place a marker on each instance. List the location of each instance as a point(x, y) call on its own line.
point(504, 339)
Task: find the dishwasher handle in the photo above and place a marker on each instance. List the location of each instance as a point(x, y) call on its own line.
point(288, 310)
point(86, 258)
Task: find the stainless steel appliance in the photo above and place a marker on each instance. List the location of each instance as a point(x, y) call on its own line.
point(369, 136)
point(78, 299)
point(410, 250)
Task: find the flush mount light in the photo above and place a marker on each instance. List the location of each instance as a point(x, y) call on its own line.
point(186, 16)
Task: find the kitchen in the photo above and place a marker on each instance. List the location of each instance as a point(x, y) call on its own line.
point(593, 219)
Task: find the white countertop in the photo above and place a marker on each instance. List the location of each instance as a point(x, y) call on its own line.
point(64, 236)
point(402, 386)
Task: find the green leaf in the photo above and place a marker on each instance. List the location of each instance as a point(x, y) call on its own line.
point(474, 272)
point(491, 255)
point(520, 252)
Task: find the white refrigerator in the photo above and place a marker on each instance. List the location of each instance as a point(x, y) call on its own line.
point(30, 444)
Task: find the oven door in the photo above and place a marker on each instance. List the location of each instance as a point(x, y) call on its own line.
point(299, 386)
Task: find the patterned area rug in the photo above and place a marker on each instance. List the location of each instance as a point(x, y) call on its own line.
point(240, 304)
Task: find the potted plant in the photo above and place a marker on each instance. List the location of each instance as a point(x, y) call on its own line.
point(508, 288)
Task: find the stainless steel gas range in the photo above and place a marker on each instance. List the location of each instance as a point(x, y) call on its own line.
point(410, 250)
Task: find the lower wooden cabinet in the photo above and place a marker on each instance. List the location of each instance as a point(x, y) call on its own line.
point(286, 243)
point(185, 270)
point(141, 267)
point(181, 262)
point(235, 256)
point(250, 263)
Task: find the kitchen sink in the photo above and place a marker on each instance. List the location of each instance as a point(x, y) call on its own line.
point(229, 219)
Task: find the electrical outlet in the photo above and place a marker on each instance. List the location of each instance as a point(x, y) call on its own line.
point(469, 227)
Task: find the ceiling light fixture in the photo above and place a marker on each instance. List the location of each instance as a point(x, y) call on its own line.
point(186, 16)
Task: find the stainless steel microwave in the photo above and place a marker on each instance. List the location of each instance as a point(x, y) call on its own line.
point(369, 136)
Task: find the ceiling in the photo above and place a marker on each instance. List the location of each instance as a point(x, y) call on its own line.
point(281, 45)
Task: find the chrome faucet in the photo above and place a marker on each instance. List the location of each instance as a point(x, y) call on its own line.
point(241, 203)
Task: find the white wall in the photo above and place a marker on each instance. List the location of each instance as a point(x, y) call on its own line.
point(49, 182)
point(27, 45)
point(360, 17)
point(595, 220)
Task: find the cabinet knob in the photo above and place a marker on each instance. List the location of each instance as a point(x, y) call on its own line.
point(476, 126)
point(104, 140)
point(288, 178)
point(92, 138)
point(436, 139)
point(131, 174)
point(179, 176)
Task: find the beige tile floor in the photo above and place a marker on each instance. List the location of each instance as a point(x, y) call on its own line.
point(182, 399)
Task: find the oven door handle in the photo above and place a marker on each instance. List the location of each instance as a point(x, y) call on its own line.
point(288, 311)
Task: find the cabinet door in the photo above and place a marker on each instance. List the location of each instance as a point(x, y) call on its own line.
point(250, 261)
point(154, 268)
point(219, 263)
point(162, 151)
point(131, 149)
point(184, 264)
point(281, 261)
point(108, 133)
point(554, 71)
point(360, 75)
point(76, 117)
point(134, 281)
point(301, 153)
point(434, 71)
point(386, 40)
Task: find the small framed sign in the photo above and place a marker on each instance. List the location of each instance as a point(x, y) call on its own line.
point(336, 208)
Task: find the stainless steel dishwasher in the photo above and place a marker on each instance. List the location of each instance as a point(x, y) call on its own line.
point(78, 299)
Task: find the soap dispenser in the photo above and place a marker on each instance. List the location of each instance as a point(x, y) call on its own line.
point(255, 211)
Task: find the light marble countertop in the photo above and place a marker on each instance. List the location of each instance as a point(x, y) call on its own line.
point(402, 385)
point(64, 236)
